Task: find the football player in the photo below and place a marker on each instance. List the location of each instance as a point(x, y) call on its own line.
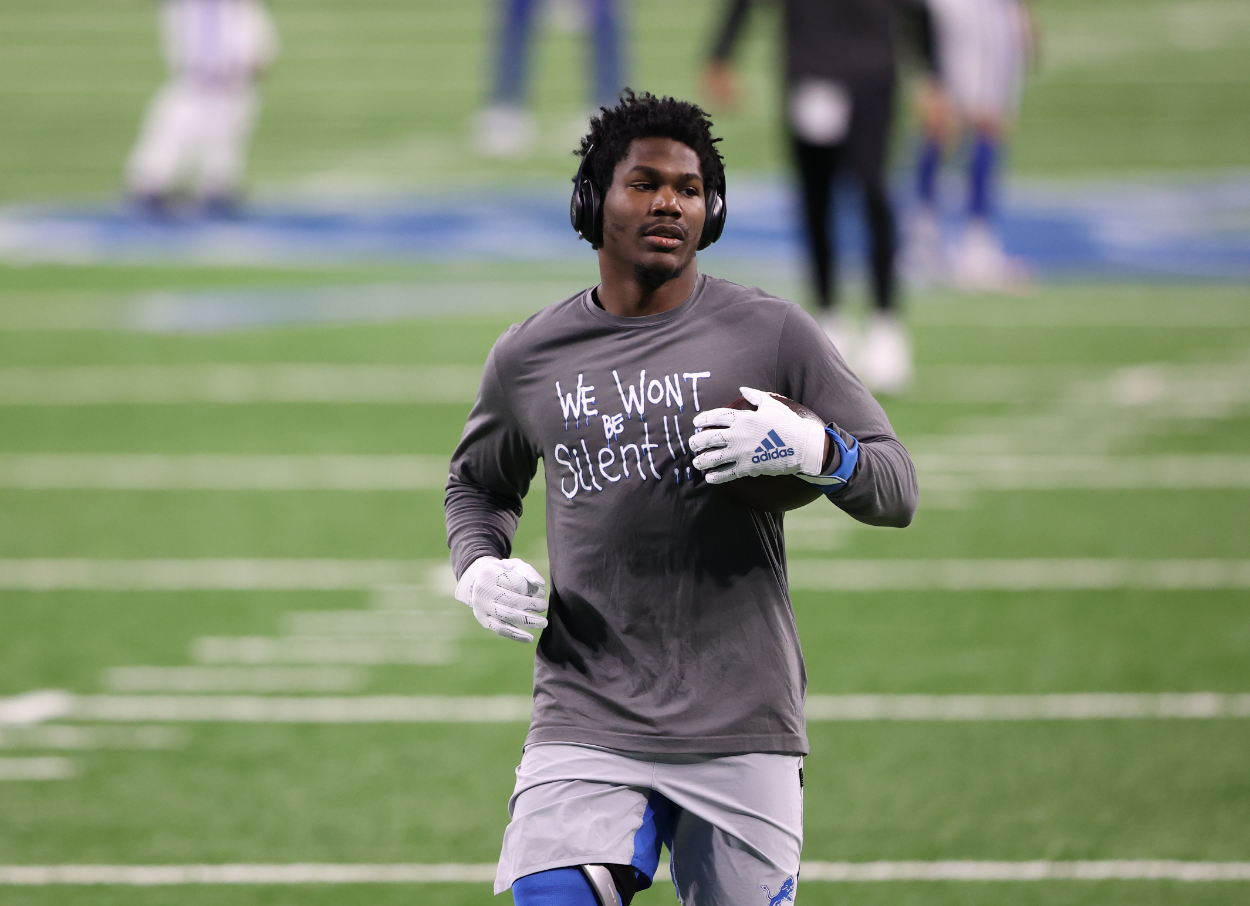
point(506, 128)
point(668, 678)
point(981, 49)
point(197, 128)
point(840, 75)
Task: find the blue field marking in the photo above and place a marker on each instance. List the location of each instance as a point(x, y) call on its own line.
point(415, 228)
point(1194, 228)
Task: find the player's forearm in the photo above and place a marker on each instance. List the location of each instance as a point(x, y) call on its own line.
point(479, 524)
point(917, 18)
point(883, 490)
point(727, 36)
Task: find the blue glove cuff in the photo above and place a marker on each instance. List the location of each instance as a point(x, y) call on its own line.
point(850, 458)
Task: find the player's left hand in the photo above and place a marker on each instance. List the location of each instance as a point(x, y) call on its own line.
point(772, 440)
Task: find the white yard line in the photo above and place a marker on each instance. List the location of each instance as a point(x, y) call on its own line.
point(43, 768)
point(818, 575)
point(222, 472)
point(81, 738)
point(516, 708)
point(1053, 312)
point(437, 648)
point(80, 385)
point(947, 472)
point(484, 872)
point(1018, 575)
point(234, 679)
point(215, 575)
point(305, 873)
point(34, 707)
point(1063, 706)
point(1118, 870)
point(938, 472)
point(301, 709)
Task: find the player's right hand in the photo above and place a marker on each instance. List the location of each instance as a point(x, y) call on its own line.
point(507, 596)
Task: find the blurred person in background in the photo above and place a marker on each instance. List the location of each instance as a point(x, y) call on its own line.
point(506, 128)
point(840, 78)
point(981, 50)
point(196, 131)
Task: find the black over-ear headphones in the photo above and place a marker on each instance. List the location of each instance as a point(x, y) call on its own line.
point(586, 210)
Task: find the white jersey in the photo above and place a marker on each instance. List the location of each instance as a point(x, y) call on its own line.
point(218, 41)
point(982, 47)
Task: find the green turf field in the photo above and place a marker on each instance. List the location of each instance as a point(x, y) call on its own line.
point(375, 95)
point(379, 92)
point(435, 793)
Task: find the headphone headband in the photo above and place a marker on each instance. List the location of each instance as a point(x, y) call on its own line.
point(586, 210)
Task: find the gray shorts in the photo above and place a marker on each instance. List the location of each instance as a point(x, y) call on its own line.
point(733, 823)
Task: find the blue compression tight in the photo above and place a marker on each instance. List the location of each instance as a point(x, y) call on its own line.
point(513, 50)
point(557, 887)
point(981, 167)
point(927, 163)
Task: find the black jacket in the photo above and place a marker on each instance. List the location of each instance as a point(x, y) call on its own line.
point(837, 39)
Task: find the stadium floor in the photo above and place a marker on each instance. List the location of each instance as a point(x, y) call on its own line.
point(1085, 463)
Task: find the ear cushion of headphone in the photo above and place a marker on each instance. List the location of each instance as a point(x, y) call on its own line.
point(575, 209)
point(714, 221)
point(594, 214)
point(586, 211)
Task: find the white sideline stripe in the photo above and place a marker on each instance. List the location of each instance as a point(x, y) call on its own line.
point(482, 873)
point(200, 472)
point(516, 708)
point(1119, 870)
point(45, 768)
point(323, 650)
point(1062, 706)
point(34, 707)
point(302, 709)
point(429, 622)
point(80, 738)
point(213, 575)
point(816, 575)
point(306, 873)
point(223, 383)
point(234, 679)
point(1018, 575)
point(938, 472)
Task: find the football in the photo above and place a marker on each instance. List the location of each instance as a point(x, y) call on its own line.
point(773, 493)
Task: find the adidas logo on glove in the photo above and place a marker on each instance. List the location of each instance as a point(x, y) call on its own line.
point(771, 447)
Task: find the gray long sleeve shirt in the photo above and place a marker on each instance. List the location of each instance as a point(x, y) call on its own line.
point(670, 624)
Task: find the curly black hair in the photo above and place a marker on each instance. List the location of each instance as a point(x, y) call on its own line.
point(647, 116)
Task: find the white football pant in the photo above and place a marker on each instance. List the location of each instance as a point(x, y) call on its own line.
point(982, 47)
point(195, 132)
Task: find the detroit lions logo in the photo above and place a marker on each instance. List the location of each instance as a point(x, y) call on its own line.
point(786, 892)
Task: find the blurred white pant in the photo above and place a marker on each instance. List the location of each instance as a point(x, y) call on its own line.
point(195, 132)
point(982, 50)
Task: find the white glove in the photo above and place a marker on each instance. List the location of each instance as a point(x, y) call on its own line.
point(772, 440)
point(505, 595)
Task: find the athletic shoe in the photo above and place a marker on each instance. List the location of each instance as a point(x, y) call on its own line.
point(504, 131)
point(982, 265)
point(152, 205)
point(886, 359)
point(222, 207)
point(842, 333)
point(924, 258)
